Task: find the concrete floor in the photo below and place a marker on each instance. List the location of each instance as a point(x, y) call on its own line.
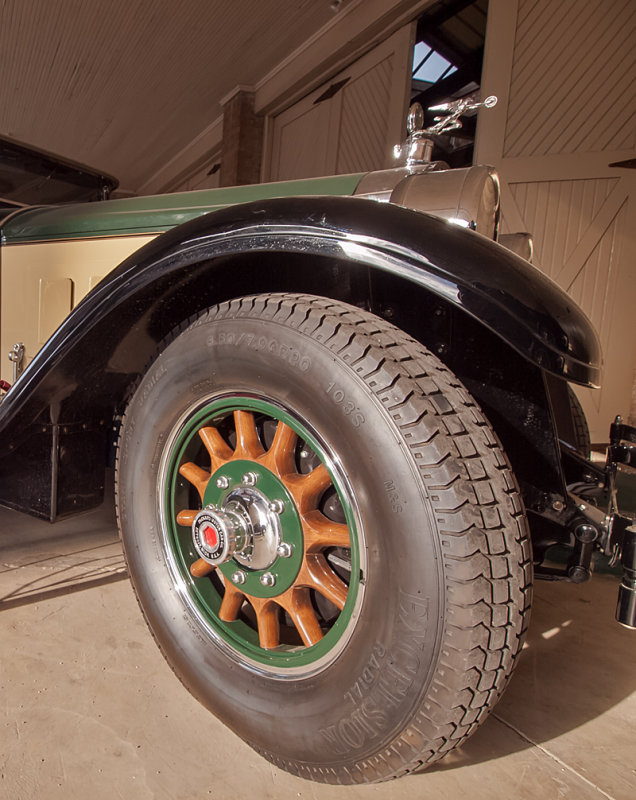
point(89, 708)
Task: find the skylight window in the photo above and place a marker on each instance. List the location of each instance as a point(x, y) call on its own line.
point(429, 65)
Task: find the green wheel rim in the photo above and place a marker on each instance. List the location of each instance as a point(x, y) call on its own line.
point(314, 602)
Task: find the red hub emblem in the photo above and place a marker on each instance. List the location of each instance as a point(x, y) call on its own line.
point(211, 536)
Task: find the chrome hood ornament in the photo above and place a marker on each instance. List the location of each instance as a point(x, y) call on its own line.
point(418, 146)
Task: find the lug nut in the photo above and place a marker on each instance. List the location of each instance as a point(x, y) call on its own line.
point(222, 482)
point(284, 550)
point(268, 579)
point(277, 506)
point(250, 478)
point(239, 576)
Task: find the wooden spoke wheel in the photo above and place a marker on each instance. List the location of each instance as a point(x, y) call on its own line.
point(258, 517)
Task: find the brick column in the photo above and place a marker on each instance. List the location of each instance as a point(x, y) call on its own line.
point(242, 146)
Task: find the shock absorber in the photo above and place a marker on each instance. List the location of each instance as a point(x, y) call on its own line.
point(579, 566)
point(626, 606)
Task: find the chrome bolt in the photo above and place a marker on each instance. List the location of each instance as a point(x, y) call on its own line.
point(304, 453)
point(277, 506)
point(284, 550)
point(558, 505)
point(268, 579)
point(239, 576)
point(222, 482)
point(250, 478)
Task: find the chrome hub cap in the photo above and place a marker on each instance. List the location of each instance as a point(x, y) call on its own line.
point(246, 527)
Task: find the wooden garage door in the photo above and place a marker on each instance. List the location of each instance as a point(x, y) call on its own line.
point(350, 123)
point(565, 75)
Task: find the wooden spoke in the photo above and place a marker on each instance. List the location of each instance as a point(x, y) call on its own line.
point(317, 574)
point(307, 489)
point(299, 607)
point(218, 450)
point(186, 517)
point(267, 620)
point(201, 568)
point(248, 445)
point(320, 532)
point(280, 456)
point(196, 476)
point(232, 603)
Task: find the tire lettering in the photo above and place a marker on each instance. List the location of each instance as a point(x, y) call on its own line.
point(151, 382)
point(156, 456)
point(394, 497)
point(384, 682)
point(346, 405)
point(193, 628)
point(352, 732)
point(202, 386)
point(414, 612)
point(373, 666)
point(156, 546)
point(283, 351)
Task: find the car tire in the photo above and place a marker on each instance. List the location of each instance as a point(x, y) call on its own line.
point(398, 556)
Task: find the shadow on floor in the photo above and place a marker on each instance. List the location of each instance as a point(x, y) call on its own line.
point(40, 561)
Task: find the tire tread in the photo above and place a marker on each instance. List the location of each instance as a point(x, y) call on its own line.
point(481, 551)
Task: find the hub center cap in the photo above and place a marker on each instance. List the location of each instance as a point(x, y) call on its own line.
point(218, 534)
point(244, 527)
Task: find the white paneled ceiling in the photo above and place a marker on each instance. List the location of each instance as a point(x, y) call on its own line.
point(122, 85)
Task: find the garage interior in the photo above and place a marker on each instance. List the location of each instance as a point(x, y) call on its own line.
point(223, 93)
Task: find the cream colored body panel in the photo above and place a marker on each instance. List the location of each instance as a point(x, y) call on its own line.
point(42, 282)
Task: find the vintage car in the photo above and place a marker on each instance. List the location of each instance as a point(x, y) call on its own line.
point(343, 437)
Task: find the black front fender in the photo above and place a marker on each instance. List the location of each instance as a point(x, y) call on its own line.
point(296, 244)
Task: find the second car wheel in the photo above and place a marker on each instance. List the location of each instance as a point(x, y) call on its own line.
point(324, 536)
